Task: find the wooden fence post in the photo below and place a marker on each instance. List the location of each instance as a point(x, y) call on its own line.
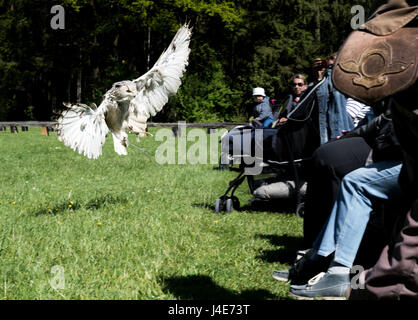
point(176, 132)
point(44, 131)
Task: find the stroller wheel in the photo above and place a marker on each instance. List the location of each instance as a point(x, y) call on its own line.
point(229, 205)
point(300, 210)
point(235, 203)
point(218, 205)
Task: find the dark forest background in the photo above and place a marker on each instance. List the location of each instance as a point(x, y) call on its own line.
point(236, 45)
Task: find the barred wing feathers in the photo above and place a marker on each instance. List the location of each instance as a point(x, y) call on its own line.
point(83, 129)
point(161, 81)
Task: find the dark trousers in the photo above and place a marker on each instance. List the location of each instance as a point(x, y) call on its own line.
point(330, 163)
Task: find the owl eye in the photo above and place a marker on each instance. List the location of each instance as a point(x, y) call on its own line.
point(117, 85)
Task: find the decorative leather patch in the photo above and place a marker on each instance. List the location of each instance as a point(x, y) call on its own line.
point(374, 65)
point(370, 68)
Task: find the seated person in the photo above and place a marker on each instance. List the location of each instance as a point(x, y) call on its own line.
point(299, 85)
point(333, 160)
point(262, 113)
point(350, 213)
point(341, 236)
point(395, 274)
point(330, 105)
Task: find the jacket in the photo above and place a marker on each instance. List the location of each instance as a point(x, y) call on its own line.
point(288, 105)
point(380, 136)
point(332, 113)
point(262, 110)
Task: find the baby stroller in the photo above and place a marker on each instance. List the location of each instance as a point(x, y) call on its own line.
point(281, 163)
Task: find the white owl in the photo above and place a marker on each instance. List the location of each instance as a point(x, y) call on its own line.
point(127, 105)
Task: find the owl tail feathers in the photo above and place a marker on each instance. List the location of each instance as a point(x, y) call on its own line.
point(83, 129)
point(120, 142)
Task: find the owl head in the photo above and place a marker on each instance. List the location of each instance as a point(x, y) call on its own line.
point(123, 91)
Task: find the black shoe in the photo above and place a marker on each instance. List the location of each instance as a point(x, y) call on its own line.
point(303, 270)
point(281, 275)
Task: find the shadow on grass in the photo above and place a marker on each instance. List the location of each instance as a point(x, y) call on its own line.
point(285, 255)
point(275, 206)
point(285, 207)
point(72, 206)
point(204, 206)
point(201, 287)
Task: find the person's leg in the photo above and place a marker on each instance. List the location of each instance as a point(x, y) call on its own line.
point(344, 230)
point(267, 123)
point(330, 163)
point(350, 215)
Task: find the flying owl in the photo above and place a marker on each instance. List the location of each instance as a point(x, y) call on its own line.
point(127, 105)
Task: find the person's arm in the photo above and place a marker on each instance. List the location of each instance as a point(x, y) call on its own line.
point(369, 130)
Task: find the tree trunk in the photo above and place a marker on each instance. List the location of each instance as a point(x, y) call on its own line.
point(318, 22)
point(95, 77)
point(148, 48)
point(79, 80)
point(70, 79)
point(232, 54)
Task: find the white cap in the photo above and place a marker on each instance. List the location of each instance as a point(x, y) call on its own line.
point(258, 92)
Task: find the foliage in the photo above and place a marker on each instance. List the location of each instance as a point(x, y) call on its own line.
point(235, 46)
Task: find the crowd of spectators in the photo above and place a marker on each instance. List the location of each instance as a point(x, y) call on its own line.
point(364, 170)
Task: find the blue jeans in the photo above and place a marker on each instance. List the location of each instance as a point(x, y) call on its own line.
point(347, 222)
point(267, 123)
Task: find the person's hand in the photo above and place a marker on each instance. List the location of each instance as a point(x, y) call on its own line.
point(318, 68)
point(282, 120)
point(319, 74)
point(343, 132)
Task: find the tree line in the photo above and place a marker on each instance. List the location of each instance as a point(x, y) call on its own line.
point(236, 45)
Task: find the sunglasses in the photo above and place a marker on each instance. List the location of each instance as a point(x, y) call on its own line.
point(299, 84)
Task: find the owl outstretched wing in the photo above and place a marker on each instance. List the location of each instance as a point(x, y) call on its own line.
point(160, 82)
point(83, 129)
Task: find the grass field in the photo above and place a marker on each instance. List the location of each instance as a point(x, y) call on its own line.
point(126, 227)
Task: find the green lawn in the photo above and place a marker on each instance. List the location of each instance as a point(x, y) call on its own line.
point(126, 227)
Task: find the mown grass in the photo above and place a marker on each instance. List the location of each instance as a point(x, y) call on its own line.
point(130, 228)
